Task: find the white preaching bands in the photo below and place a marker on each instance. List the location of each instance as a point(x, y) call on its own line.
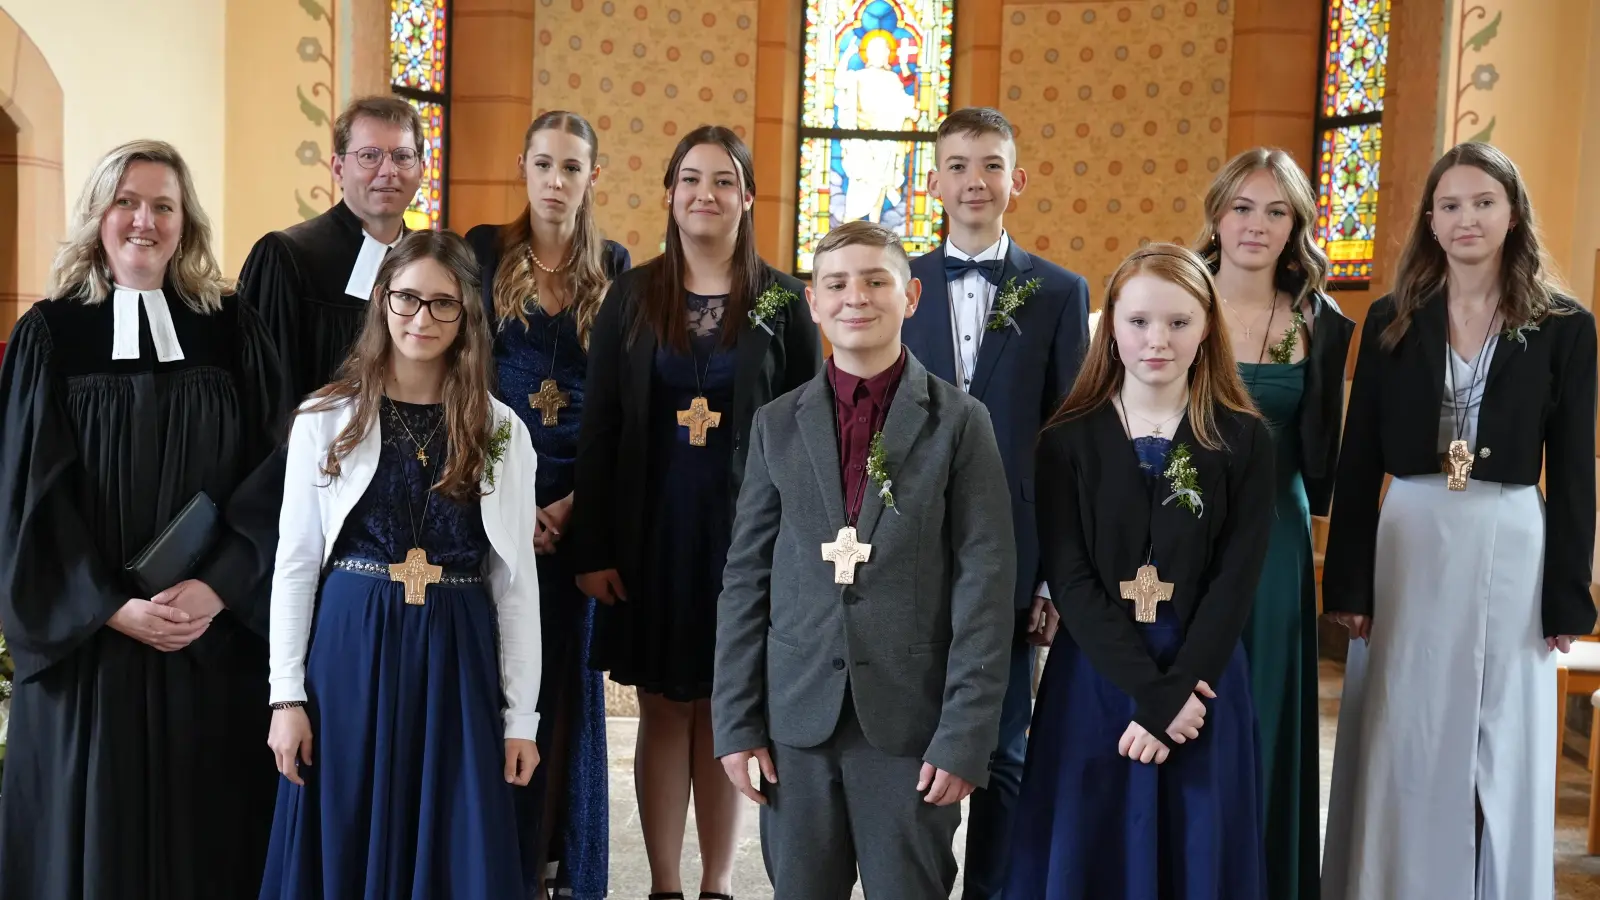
point(365, 272)
point(125, 325)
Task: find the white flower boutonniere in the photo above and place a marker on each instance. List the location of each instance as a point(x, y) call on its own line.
point(878, 471)
point(1011, 298)
point(767, 306)
point(1183, 478)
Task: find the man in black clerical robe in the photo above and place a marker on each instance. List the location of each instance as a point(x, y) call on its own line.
point(135, 773)
point(311, 282)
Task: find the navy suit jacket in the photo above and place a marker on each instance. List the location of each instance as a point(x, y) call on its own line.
point(1021, 378)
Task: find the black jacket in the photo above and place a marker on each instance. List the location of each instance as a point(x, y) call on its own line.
point(609, 506)
point(1100, 520)
point(1322, 409)
point(1538, 408)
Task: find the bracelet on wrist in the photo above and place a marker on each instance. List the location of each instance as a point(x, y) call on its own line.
point(288, 704)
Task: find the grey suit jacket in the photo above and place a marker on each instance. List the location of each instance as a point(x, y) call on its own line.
point(923, 636)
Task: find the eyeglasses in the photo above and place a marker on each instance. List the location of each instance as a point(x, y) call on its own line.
point(406, 305)
point(372, 157)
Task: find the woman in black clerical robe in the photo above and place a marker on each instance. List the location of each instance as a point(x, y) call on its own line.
point(137, 765)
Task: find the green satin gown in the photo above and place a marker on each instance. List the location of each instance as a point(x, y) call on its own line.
point(1281, 644)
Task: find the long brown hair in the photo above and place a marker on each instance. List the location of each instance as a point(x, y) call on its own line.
point(1302, 268)
point(1213, 379)
point(469, 422)
point(662, 309)
point(1529, 285)
point(586, 280)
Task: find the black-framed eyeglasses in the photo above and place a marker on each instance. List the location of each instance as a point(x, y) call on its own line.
point(372, 157)
point(406, 304)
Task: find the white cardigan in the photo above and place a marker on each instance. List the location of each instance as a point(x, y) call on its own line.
point(314, 510)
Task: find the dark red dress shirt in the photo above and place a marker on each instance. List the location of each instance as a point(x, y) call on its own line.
point(861, 405)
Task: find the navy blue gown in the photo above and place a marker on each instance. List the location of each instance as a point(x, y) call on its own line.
point(665, 641)
point(406, 798)
point(525, 355)
point(1094, 825)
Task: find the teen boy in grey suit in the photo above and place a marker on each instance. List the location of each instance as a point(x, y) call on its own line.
point(865, 620)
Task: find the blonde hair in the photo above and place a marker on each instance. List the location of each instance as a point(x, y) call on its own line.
point(1302, 268)
point(1213, 379)
point(586, 276)
point(80, 268)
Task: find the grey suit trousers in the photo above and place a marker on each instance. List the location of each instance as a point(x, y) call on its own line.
point(846, 804)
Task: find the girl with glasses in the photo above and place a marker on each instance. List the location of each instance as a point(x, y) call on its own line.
point(404, 682)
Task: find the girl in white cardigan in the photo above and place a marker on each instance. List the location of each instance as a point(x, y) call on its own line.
point(405, 607)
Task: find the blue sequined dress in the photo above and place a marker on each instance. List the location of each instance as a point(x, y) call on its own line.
point(1093, 825)
point(406, 798)
point(570, 694)
point(663, 639)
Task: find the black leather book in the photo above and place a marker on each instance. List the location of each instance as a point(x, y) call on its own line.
point(180, 547)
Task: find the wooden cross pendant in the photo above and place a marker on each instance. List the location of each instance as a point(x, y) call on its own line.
point(697, 418)
point(1146, 590)
point(416, 574)
point(1457, 466)
point(549, 399)
point(845, 552)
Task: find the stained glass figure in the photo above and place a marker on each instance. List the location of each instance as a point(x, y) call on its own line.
point(419, 72)
point(1349, 136)
point(876, 84)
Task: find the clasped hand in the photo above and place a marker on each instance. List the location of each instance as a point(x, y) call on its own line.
point(1139, 744)
point(552, 519)
point(172, 619)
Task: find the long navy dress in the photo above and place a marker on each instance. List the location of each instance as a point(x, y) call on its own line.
point(406, 798)
point(666, 641)
point(1093, 825)
point(525, 355)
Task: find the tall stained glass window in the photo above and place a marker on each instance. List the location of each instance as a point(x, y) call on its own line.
point(876, 84)
point(419, 71)
point(1350, 136)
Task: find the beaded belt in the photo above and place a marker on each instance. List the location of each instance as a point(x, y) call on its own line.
point(380, 570)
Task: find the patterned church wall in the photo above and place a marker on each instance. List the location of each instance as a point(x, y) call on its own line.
point(1122, 113)
point(645, 73)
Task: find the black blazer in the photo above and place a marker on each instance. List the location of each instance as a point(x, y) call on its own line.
point(1021, 376)
point(1322, 409)
point(1538, 407)
point(609, 504)
point(1100, 520)
point(485, 243)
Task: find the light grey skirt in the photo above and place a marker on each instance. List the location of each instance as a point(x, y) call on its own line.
point(1451, 705)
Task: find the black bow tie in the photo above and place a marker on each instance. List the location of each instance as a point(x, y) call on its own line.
point(989, 268)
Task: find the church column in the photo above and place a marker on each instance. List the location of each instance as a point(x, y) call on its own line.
point(776, 142)
point(491, 99)
point(975, 60)
point(31, 153)
point(1277, 47)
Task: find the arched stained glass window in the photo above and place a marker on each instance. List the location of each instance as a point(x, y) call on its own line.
point(419, 71)
point(1350, 136)
point(875, 85)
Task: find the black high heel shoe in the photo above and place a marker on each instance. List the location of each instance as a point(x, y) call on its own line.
point(708, 895)
point(667, 895)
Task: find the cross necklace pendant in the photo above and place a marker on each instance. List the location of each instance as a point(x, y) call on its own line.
point(416, 573)
point(551, 398)
point(699, 416)
point(422, 446)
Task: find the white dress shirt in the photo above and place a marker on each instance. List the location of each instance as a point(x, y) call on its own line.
point(971, 299)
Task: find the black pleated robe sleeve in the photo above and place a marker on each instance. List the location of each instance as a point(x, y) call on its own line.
point(55, 591)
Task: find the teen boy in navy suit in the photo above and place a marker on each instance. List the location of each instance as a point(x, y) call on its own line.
point(1009, 328)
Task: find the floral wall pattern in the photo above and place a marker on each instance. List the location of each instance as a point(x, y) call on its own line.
point(645, 72)
point(319, 106)
point(1122, 111)
point(1483, 76)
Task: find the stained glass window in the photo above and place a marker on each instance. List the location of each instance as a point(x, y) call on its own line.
point(876, 83)
point(1349, 136)
point(419, 71)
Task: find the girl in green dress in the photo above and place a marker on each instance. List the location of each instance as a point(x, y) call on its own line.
point(1290, 341)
